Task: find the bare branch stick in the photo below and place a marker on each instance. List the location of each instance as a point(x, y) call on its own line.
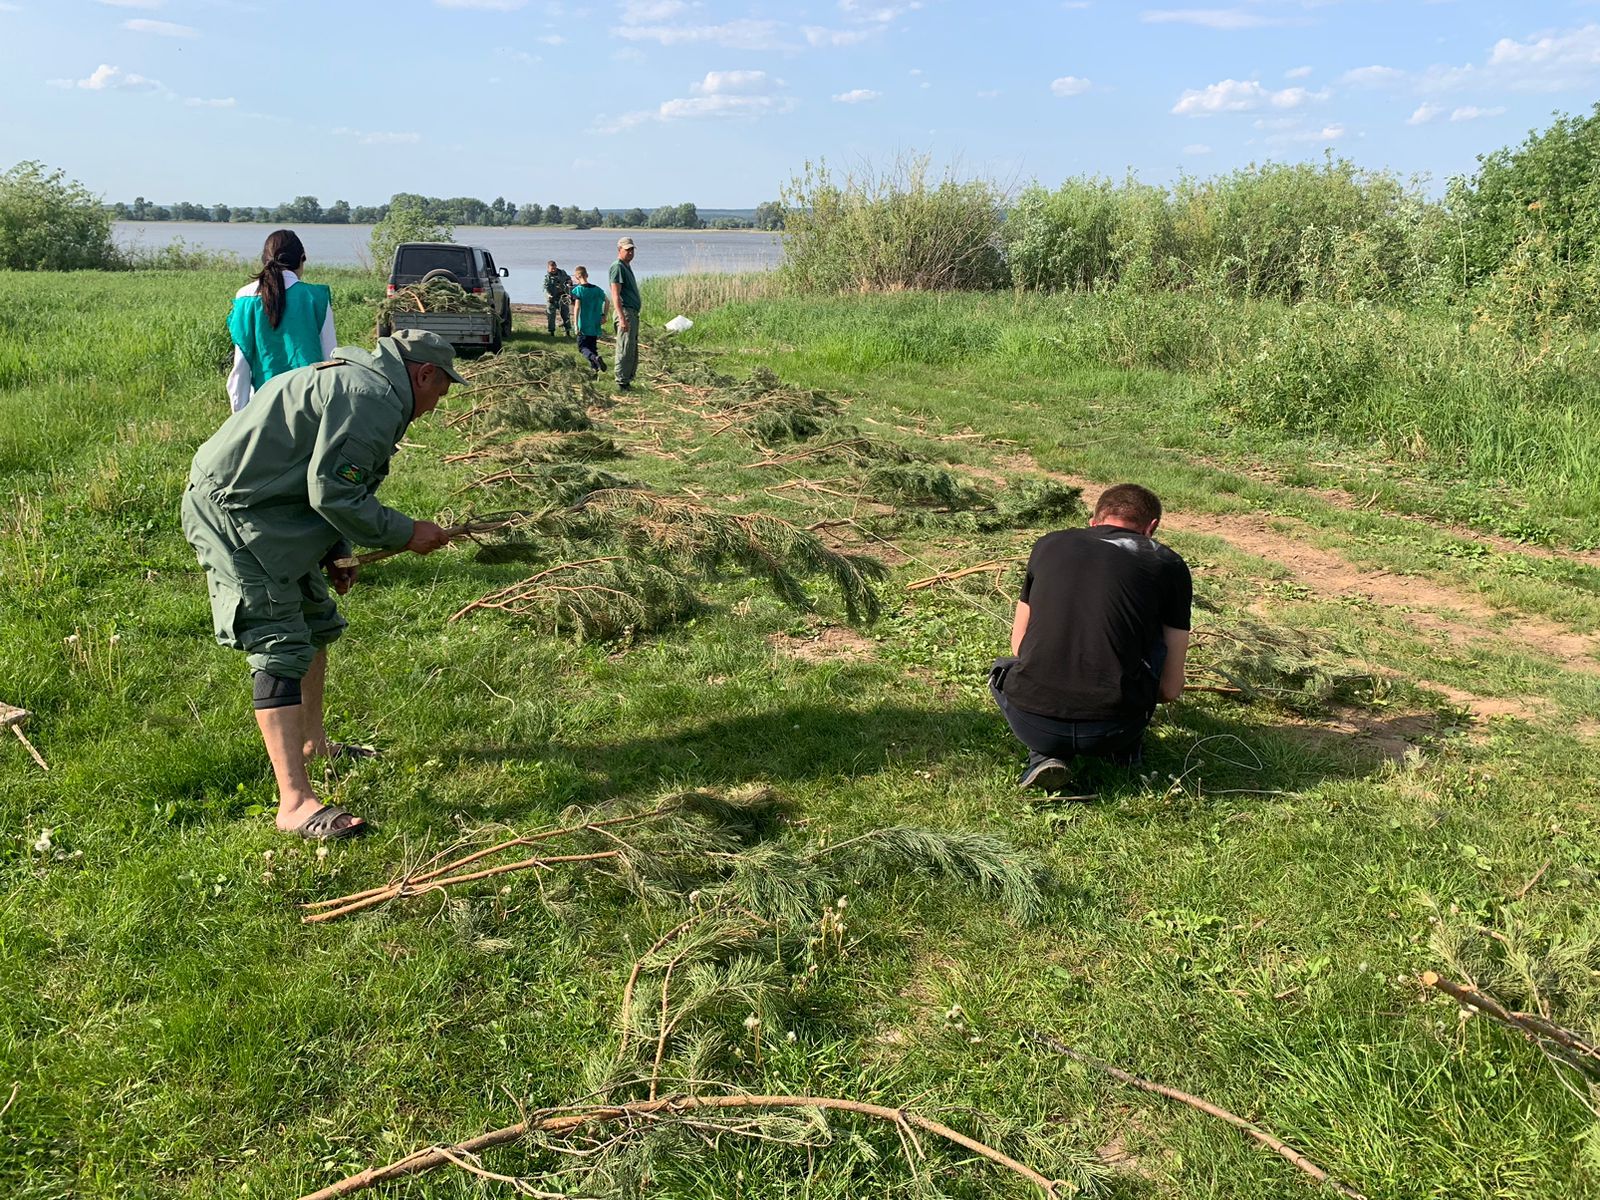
point(1288, 1153)
point(568, 1122)
point(994, 564)
point(407, 891)
point(1568, 1047)
point(466, 859)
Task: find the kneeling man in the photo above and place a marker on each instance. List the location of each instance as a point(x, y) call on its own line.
point(1099, 636)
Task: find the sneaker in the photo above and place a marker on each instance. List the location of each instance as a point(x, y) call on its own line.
point(624, 387)
point(1051, 775)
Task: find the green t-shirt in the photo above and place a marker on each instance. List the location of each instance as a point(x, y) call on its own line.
point(622, 273)
point(591, 302)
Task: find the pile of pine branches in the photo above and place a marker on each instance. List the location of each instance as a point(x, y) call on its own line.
point(1281, 665)
point(431, 296)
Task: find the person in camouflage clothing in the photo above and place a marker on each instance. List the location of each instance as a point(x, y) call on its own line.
point(557, 293)
point(275, 498)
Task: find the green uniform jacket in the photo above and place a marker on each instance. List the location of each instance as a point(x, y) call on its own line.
point(296, 469)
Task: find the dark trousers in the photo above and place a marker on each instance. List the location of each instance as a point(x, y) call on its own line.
point(558, 306)
point(589, 347)
point(1120, 741)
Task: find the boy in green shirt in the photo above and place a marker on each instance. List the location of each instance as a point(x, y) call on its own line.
point(590, 301)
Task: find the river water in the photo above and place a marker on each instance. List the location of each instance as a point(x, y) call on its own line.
point(523, 250)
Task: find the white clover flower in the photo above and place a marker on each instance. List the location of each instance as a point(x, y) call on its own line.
point(71, 639)
point(790, 1037)
point(841, 902)
point(752, 1022)
point(322, 852)
point(44, 844)
point(113, 639)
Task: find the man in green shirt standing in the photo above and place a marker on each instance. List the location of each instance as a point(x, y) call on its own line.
point(276, 496)
point(625, 303)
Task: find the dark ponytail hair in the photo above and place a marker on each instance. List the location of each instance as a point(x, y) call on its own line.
point(283, 252)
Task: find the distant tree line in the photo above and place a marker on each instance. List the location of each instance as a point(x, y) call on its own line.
point(458, 210)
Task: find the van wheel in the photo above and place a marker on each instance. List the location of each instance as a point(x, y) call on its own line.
point(496, 342)
point(505, 320)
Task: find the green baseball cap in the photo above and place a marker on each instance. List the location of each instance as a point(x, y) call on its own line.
point(425, 346)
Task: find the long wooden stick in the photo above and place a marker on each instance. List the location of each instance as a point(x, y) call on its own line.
point(564, 1121)
point(23, 738)
point(1287, 1152)
point(467, 859)
point(1569, 1048)
point(994, 564)
point(406, 891)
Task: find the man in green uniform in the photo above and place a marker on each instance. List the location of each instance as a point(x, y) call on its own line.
point(625, 304)
point(557, 287)
point(278, 494)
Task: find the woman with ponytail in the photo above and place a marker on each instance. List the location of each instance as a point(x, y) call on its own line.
point(278, 321)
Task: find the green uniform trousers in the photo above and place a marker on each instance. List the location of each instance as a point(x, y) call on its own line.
point(627, 359)
point(279, 625)
point(558, 306)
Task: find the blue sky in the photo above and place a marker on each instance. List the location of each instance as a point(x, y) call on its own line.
point(658, 101)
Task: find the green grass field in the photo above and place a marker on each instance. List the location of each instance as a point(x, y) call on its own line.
point(1244, 917)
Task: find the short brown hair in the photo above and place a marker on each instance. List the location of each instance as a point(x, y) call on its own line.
point(1129, 502)
point(584, 271)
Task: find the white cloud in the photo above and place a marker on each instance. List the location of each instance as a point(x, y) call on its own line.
point(1471, 112)
point(640, 12)
point(1374, 76)
point(747, 94)
point(730, 82)
point(1197, 148)
point(1238, 95)
point(1069, 85)
point(1551, 62)
point(107, 78)
point(816, 35)
point(988, 93)
point(483, 5)
point(161, 28)
point(199, 102)
point(378, 137)
point(553, 39)
point(1211, 18)
point(1297, 73)
point(1323, 136)
point(145, 4)
point(857, 96)
point(743, 34)
point(516, 56)
point(7, 7)
point(1424, 114)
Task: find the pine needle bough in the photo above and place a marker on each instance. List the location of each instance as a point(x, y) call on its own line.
point(753, 919)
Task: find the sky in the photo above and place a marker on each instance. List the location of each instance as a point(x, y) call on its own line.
point(719, 102)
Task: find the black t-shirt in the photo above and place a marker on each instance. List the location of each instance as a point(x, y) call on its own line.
point(1097, 601)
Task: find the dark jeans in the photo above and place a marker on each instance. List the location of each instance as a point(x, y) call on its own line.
point(555, 306)
point(589, 347)
point(1120, 742)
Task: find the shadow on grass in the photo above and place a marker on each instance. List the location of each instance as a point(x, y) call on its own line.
point(1216, 749)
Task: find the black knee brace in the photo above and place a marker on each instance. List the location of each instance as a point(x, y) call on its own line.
point(274, 691)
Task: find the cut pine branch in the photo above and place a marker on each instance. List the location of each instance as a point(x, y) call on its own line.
point(406, 891)
point(1282, 1149)
point(569, 1121)
point(943, 577)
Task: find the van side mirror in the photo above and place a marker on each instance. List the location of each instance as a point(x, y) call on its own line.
point(504, 271)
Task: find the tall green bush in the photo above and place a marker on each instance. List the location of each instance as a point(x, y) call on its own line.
point(891, 231)
point(407, 221)
point(51, 223)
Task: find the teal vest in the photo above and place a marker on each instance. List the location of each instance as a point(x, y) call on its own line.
point(296, 342)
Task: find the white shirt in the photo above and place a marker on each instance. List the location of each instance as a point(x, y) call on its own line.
point(240, 387)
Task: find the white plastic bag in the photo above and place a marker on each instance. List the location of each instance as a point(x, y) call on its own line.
point(679, 323)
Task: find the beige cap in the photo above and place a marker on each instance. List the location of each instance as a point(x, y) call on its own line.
point(624, 243)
